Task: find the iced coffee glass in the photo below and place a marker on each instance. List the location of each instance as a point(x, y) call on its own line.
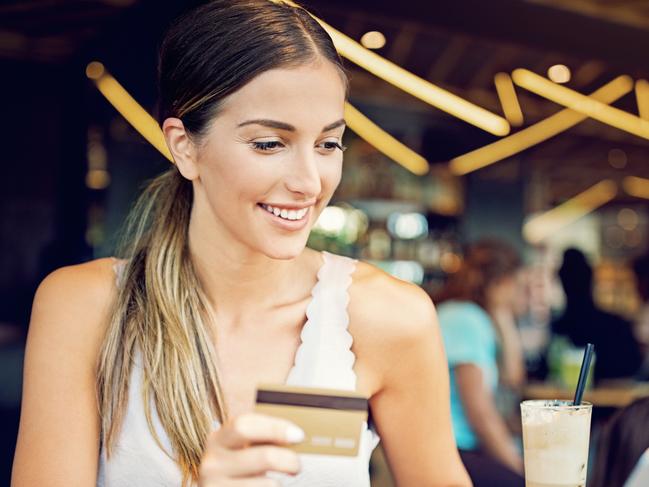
point(555, 443)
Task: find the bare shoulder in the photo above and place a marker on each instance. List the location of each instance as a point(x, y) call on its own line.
point(388, 316)
point(387, 306)
point(95, 276)
point(73, 302)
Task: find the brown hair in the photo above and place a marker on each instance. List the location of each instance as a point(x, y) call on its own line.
point(624, 439)
point(484, 263)
point(161, 313)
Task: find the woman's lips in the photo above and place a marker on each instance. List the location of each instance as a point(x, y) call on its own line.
point(285, 223)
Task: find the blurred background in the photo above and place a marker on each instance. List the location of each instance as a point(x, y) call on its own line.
point(73, 164)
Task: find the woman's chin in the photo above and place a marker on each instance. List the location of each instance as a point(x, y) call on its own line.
point(287, 251)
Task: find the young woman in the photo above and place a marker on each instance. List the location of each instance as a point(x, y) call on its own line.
point(476, 316)
point(148, 378)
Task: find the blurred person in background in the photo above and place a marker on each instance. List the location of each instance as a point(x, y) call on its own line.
point(624, 440)
point(641, 323)
point(582, 322)
point(476, 311)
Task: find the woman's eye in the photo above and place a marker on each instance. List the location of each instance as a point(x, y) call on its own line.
point(330, 146)
point(267, 146)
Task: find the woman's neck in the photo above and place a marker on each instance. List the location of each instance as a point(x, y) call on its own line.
point(238, 281)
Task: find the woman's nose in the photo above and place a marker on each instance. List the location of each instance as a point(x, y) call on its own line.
point(304, 176)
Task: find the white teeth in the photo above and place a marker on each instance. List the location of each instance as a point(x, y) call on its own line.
point(286, 214)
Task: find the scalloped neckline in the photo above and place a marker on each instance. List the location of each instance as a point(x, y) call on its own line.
point(309, 320)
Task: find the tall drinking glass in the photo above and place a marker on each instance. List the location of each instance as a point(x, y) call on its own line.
point(555, 443)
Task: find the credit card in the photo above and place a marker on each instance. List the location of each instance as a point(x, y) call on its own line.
point(332, 419)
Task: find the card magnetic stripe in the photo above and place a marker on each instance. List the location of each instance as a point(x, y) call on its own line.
point(311, 400)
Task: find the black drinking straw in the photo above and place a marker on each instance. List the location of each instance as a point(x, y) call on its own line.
point(583, 374)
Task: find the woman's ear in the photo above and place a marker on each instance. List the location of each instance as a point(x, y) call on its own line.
point(181, 146)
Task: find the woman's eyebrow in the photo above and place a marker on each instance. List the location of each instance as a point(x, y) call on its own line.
point(268, 123)
point(334, 125)
point(276, 124)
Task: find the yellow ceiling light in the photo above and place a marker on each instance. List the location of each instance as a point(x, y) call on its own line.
point(373, 40)
point(97, 179)
point(412, 84)
point(130, 109)
point(642, 96)
point(559, 73)
point(384, 142)
point(95, 70)
point(416, 86)
point(635, 186)
point(508, 99)
point(537, 133)
point(581, 103)
point(549, 223)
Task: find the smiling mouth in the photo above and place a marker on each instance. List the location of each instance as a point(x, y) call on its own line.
point(285, 213)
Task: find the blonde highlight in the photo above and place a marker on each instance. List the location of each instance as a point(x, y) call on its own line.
point(162, 316)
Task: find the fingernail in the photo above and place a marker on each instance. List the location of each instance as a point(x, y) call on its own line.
point(294, 434)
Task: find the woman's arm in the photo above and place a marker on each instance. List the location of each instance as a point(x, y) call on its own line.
point(483, 417)
point(412, 407)
point(58, 439)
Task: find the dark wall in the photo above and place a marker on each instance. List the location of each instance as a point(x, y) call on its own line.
point(42, 207)
point(48, 106)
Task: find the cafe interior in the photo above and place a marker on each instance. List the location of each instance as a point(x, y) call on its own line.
point(518, 123)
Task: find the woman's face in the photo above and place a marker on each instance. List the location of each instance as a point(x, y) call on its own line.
point(272, 159)
point(506, 292)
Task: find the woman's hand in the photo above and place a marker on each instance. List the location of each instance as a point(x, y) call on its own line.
point(244, 449)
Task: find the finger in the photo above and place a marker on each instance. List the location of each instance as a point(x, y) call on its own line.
point(249, 482)
point(256, 482)
point(259, 481)
point(257, 460)
point(249, 462)
point(253, 428)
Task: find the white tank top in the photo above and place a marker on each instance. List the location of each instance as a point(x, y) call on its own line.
point(323, 359)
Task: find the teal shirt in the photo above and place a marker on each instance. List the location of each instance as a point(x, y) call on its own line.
point(469, 338)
